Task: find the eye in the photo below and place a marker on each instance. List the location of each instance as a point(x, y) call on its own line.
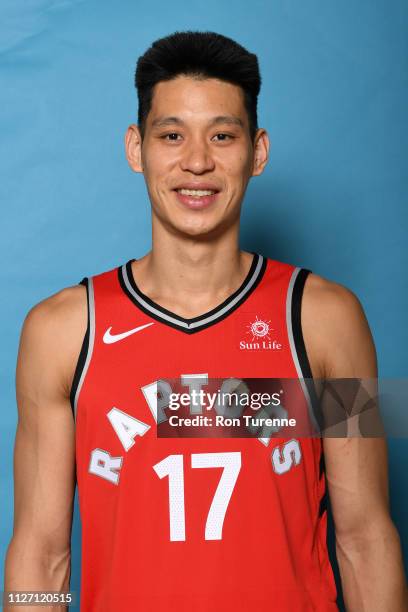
point(171, 136)
point(222, 137)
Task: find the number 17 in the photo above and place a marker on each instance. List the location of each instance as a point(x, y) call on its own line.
point(173, 467)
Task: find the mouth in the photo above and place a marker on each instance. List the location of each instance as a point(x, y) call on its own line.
point(196, 197)
point(196, 193)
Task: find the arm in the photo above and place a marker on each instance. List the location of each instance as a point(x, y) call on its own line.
point(38, 557)
point(367, 543)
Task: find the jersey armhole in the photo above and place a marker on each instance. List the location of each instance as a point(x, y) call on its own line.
point(297, 343)
point(86, 348)
point(301, 360)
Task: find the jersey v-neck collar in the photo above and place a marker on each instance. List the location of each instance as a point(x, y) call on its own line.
point(189, 326)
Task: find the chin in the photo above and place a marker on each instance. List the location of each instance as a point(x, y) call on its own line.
point(195, 224)
point(196, 230)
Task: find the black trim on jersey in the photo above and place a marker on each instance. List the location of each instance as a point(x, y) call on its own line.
point(306, 373)
point(296, 322)
point(324, 502)
point(210, 313)
point(300, 347)
point(83, 353)
point(322, 465)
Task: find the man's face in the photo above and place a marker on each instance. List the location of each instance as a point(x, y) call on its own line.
point(197, 155)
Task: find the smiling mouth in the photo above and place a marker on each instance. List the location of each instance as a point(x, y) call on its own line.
point(196, 193)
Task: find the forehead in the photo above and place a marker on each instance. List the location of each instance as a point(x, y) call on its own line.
point(197, 98)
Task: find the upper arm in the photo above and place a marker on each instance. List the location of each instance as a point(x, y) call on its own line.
point(336, 330)
point(44, 456)
point(338, 335)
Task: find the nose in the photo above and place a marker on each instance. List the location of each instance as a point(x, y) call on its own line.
point(197, 158)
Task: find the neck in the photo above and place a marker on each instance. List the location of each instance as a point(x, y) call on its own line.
point(189, 276)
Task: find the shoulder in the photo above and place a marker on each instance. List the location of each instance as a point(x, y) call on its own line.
point(336, 329)
point(58, 311)
point(53, 332)
point(331, 300)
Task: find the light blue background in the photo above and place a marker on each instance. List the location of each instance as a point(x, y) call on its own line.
point(334, 197)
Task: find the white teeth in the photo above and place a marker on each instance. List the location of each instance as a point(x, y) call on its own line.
point(196, 192)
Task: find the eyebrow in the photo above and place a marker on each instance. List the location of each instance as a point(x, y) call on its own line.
point(221, 119)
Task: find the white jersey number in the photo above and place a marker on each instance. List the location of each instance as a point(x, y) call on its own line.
point(173, 467)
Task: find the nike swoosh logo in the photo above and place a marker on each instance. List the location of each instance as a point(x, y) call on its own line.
point(109, 338)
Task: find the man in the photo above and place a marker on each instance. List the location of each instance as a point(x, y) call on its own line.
point(247, 531)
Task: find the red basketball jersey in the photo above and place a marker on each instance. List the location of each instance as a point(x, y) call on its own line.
point(204, 524)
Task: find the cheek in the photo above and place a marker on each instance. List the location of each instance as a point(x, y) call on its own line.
point(158, 163)
point(239, 170)
point(153, 167)
point(237, 162)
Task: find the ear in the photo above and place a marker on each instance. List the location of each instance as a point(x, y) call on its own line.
point(133, 146)
point(261, 152)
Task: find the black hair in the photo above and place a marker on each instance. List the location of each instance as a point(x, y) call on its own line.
point(201, 55)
